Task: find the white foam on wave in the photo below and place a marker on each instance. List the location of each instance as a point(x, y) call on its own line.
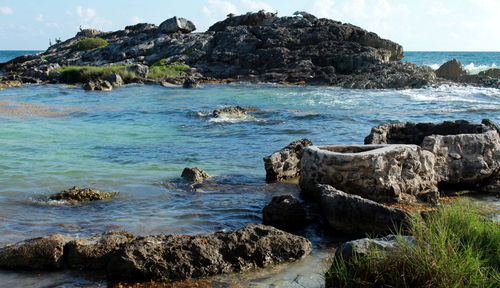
point(44, 201)
point(452, 93)
point(237, 118)
point(472, 68)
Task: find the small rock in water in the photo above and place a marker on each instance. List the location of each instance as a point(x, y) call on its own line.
point(232, 111)
point(114, 79)
point(194, 175)
point(190, 83)
point(76, 194)
point(98, 85)
point(284, 212)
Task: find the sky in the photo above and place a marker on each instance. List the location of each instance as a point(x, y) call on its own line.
point(418, 25)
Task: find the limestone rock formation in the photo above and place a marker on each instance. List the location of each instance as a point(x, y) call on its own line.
point(139, 69)
point(76, 194)
point(114, 79)
point(361, 247)
point(43, 253)
point(387, 173)
point(466, 153)
point(194, 175)
point(355, 215)
point(174, 25)
point(284, 212)
point(285, 163)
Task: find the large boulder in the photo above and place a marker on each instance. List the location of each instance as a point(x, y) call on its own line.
point(177, 257)
point(43, 253)
point(76, 194)
point(175, 25)
point(451, 70)
point(386, 173)
point(284, 212)
point(138, 69)
point(355, 215)
point(362, 247)
point(285, 163)
point(115, 79)
point(466, 153)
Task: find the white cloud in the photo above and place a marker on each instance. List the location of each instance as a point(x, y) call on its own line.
point(6, 10)
point(85, 13)
point(135, 20)
point(39, 18)
point(88, 18)
point(438, 9)
point(216, 10)
point(256, 5)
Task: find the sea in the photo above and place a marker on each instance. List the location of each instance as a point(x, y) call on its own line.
point(137, 139)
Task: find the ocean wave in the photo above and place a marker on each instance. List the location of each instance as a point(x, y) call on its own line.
point(472, 68)
point(234, 119)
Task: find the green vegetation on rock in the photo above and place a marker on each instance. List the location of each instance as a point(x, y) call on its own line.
point(46, 57)
point(82, 74)
point(456, 247)
point(89, 43)
point(162, 70)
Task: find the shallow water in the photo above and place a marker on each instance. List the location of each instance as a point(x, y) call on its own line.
point(137, 139)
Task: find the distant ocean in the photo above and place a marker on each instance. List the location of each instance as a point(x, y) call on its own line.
point(474, 62)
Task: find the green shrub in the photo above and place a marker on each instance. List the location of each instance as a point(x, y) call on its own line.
point(46, 57)
point(162, 70)
point(456, 247)
point(89, 43)
point(82, 74)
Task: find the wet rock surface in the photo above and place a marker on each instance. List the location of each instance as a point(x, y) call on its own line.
point(284, 212)
point(451, 70)
point(285, 163)
point(466, 153)
point(194, 175)
point(231, 111)
point(355, 215)
point(260, 47)
point(98, 85)
point(454, 71)
point(76, 194)
point(387, 173)
point(123, 256)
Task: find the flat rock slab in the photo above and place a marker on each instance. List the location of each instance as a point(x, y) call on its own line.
point(386, 173)
point(355, 215)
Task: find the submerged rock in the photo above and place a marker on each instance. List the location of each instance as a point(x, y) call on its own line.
point(466, 153)
point(355, 215)
point(385, 173)
point(194, 175)
point(76, 194)
point(285, 163)
point(179, 257)
point(284, 212)
point(43, 253)
point(362, 247)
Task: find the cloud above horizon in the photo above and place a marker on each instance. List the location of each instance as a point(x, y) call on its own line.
point(6, 10)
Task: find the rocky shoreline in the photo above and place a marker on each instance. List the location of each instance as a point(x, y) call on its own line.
point(255, 47)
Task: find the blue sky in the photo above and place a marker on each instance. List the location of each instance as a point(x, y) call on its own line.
point(419, 25)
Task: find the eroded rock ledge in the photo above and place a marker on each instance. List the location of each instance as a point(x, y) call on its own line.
point(260, 47)
point(123, 256)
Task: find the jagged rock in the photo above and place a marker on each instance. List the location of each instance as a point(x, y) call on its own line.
point(284, 212)
point(76, 194)
point(98, 85)
point(232, 111)
point(174, 25)
point(93, 253)
point(355, 215)
point(179, 257)
point(10, 83)
point(88, 33)
point(141, 27)
point(194, 175)
point(249, 19)
point(139, 69)
point(466, 154)
point(114, 79)
point(285, 163)
point(190, 83)
point(362, 247)
point(385, 173)
point(43, 253)
point(451, 70)
point(493, 73)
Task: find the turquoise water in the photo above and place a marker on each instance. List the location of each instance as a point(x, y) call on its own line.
point(137, 139)
point(6, 55)
point(474, 62)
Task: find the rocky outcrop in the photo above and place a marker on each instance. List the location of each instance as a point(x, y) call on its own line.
point(451, 70)
point(363, 247)
point(123, 256)
point(284, 212)
point(466, 154)
point(285, 163)
point(386, 173)
point(43, 253)
point(260, 47)
point(139, 69)
point(174, 25)
point(76, 194)
point(115, 80)
point(194, 175)
point(355, 215)
point(98, 85)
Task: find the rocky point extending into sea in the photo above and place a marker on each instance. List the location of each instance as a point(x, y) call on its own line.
point(255, 47)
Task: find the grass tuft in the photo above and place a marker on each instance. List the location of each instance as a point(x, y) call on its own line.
point(456, 247)
point(162, 70)
point(89, 43)
point(82, 74)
